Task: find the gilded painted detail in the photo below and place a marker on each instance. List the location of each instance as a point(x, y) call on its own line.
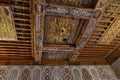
point(59, 29)
point(111, 33)
point(7, 28)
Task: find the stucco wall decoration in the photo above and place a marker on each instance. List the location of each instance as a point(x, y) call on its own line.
point(57, 73)
point(7, 27)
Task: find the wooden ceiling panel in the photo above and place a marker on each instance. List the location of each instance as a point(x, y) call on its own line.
point(49, 31)
point(75, 3)
point(62, 30)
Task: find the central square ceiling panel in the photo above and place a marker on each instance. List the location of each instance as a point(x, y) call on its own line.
point(62, 30)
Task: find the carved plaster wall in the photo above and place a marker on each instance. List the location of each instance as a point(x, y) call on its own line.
point(57, 73)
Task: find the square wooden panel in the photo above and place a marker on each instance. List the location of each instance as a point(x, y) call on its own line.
point(62, 30)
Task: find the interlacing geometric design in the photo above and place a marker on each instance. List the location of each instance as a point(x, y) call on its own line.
point(57, 73)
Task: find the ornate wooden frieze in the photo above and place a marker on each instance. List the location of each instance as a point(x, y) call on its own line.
point(7, 27)
point(111, 33)
point(69, 11)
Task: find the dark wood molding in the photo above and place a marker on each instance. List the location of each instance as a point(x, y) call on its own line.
point(114, 55)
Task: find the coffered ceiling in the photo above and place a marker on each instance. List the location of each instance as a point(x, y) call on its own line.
point(60, 31)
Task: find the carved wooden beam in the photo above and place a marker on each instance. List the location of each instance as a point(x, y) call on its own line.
point(39, 29)
point(60, 48)
point(100, 7)
point(67, 11)
point(54, 49)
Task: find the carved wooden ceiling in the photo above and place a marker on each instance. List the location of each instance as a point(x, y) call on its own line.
point(51, 32)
